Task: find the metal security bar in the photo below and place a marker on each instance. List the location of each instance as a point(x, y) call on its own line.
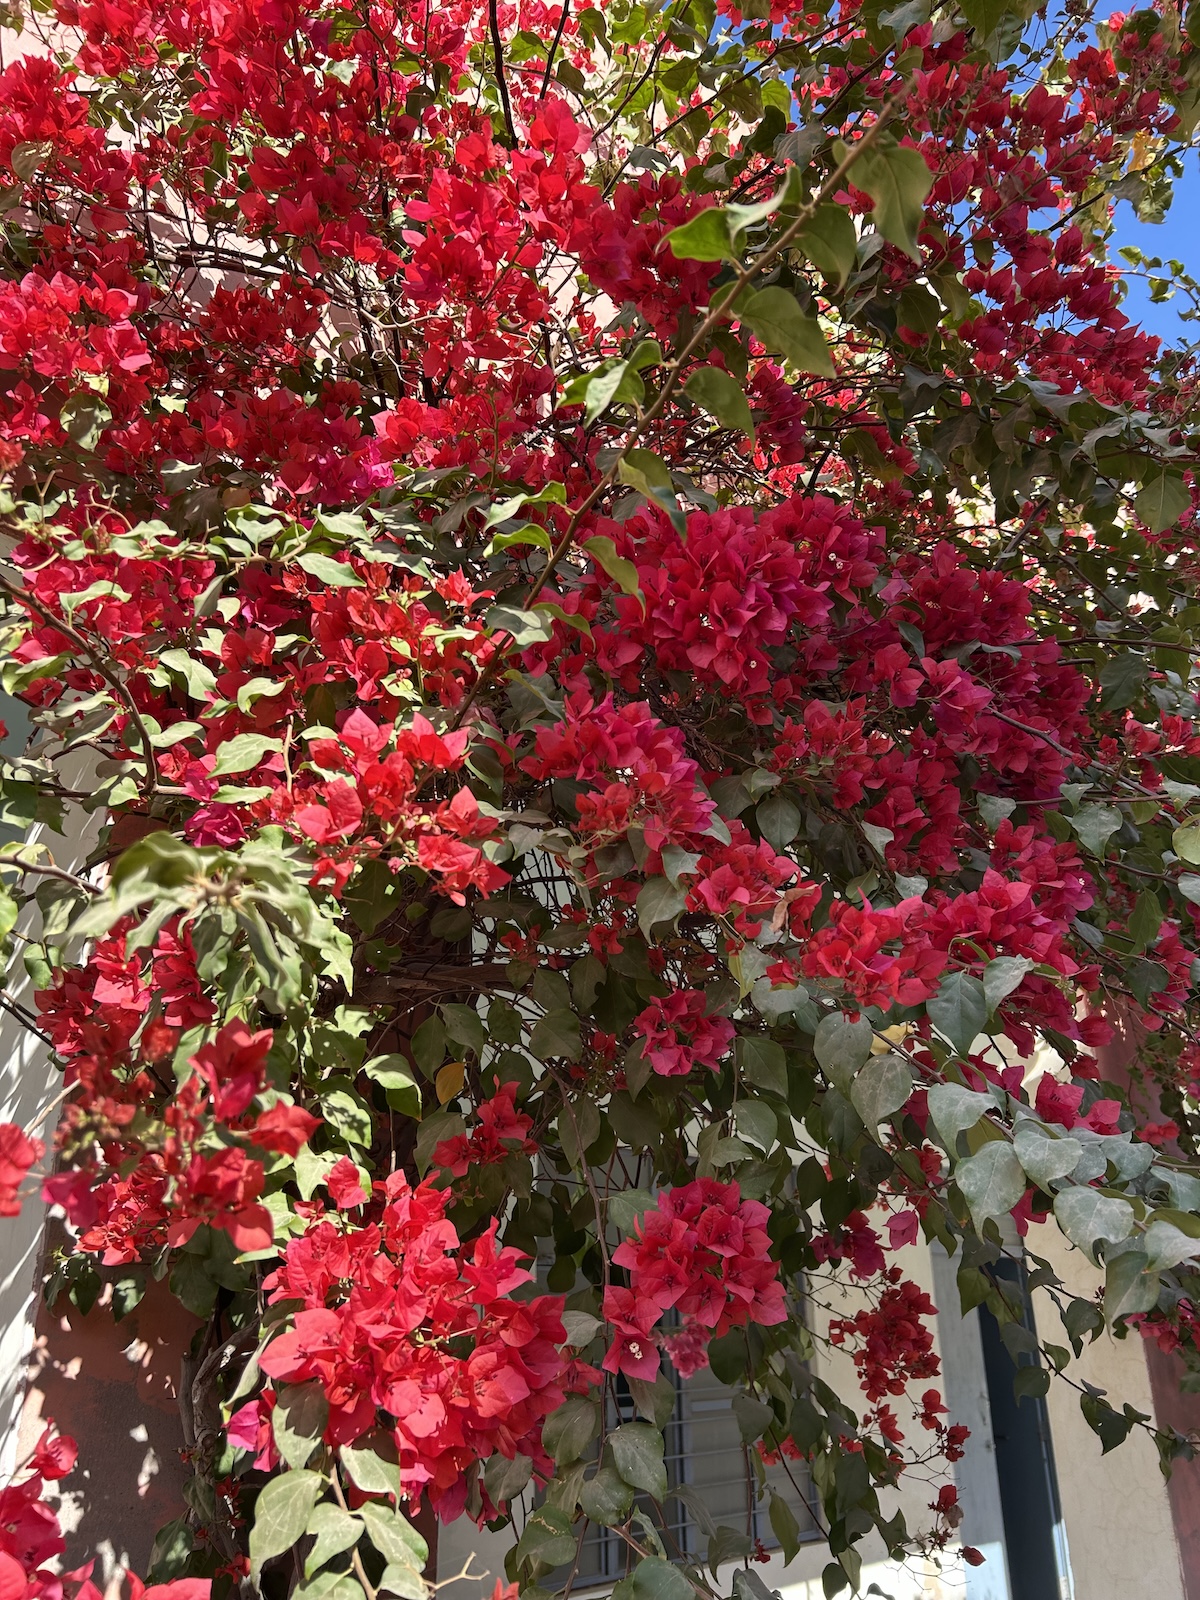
point(704, 1451)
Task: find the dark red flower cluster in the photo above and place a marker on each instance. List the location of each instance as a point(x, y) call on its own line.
point(702, 1253)
point(501, 1130)
point(891, 1345)
point(677, 1035)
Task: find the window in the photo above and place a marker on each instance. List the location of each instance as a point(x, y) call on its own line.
point(706, 1458)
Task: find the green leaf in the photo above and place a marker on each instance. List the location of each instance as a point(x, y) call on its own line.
point(504, 1480)
point(394, 1076)
point(721, 396)
point(429, 1045)
point(1095, 826)
point(754, 1417)
point(704, 237)
point(654, 1579)
point(1087, 1217)
point(1185, 842)
point(775, 317)
point(959, 1010)
point(394, 1536)
point(757, 1123)
point(762, 1063)
point(784, 1526)
point(1030, 1382)
point(985, 16)
point(830, 242)
point(898, 180)
point(1130, 1285)
point(579, 1127)
point(1162, 500)
point(372, 1473)
point(778, 820)
point(281, 1513)
point(1145, 921)
point(1045, 1156)
point(29, 157)
point(1001, 976)
point(529, 533)
point(637, 1450)
point(329, 1585)
point(244, 752)
point(841, 1047)
point(606, 1498)
point(994, 808)
point(345, 1110)
point(548, 1537)
point(622, 571)
point(955, 1109)
point(464, 1026)
point(991, 1182)
point(551, 494)
point(1167, 1245)
point(659, 901)
point(200, 680)
point(556, 1035)
point(160, 858)
point(567, 1431)
point(1122, 680)
point(1110, 1427)
point(525, 627)
point(372, 894)
point(881, 1088)
point(644, 471)
point(403, 1579)
point(298, 1421)
point(85, 417)
point(615, 384)
point(336, 1531)
point(338, 574)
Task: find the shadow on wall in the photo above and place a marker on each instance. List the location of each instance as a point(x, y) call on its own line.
point(114, 1387)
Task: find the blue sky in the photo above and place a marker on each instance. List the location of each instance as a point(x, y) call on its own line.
point(1178, 236)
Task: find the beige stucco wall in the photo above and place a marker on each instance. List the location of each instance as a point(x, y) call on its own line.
point(1115, 1506)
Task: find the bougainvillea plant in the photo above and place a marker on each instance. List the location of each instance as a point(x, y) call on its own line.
point(619, 598)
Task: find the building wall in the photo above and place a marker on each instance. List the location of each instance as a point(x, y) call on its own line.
point(1116, 1507)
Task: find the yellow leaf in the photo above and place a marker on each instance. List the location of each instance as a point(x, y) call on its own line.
point(449, 1081)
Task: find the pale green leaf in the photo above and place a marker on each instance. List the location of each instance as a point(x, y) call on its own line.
point(954, 1109)
point(1045, 1156)
point(959, 1010)
point(881, 1088)
point(338, 574)
point(991, 1182)
point(1087, 1217)
point(637, 1449)
point(841, 1047)
point(281, 1513)
point(243, 752)
point(1001, 976)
